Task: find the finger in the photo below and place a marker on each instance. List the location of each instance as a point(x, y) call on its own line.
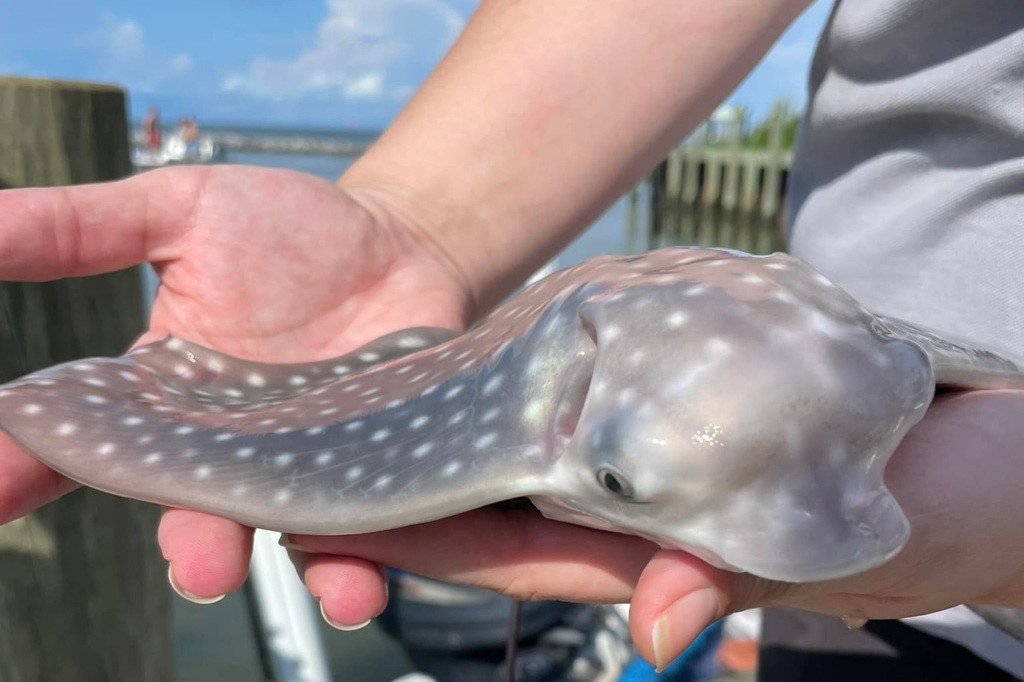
point(351, 591)
point(678, 596)
point(208, 556)
point(53, 232)
point(25, 483)
point(515, 552)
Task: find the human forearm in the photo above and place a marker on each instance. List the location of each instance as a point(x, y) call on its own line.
point(544, 112)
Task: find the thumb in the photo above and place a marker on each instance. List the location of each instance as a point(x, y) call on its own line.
point(678, 596)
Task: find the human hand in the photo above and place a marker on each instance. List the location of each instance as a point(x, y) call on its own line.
point(957, 476)
point(263, 264)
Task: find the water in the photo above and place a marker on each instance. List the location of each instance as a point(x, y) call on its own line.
point(215, 643)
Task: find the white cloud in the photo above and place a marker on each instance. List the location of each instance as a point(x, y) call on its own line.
point(120, 48)
point(363, 49)
point(124, 39)
point(181, 63)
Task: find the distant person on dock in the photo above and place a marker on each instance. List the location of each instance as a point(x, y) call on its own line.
point(151, 129)
point(907, 190)
point(189, 132)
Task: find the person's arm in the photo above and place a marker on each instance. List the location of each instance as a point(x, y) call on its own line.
point(543, 113)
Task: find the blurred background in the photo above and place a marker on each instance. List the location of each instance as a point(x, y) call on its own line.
point(308, 86)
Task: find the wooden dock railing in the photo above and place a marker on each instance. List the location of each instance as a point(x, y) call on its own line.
point(714, 190)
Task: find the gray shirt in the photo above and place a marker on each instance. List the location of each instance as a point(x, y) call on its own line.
point(908, 184)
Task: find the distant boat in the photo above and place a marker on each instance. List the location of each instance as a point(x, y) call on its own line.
point(174, 151)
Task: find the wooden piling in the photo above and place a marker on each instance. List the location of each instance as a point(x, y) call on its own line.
point(83, 591)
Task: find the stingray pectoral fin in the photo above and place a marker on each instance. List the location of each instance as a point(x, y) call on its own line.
point(789, 544)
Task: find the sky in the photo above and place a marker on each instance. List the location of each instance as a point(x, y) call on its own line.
point(308, 63)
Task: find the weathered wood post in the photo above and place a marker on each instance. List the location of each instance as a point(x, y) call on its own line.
point(83, 593)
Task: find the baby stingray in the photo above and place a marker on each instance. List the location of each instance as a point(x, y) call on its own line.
point(741, 408)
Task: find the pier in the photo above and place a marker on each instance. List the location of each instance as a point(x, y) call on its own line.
point(286, 144)
point(722, 187)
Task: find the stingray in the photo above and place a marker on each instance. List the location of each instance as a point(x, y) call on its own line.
point(741, 408)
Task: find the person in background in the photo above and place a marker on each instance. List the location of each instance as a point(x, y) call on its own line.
point(907, 190)
point(151, 129)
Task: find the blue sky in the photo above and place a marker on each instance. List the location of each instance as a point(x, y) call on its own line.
point(321, 63)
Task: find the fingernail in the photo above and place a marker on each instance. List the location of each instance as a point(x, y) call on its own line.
point(339, 626)
point(184, 594)
point(678, 625)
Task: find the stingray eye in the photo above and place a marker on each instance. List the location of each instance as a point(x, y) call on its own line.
point(614, 482)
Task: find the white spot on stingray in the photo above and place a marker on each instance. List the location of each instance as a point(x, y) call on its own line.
point(93, 381)
point(256, 379)
point(457, 417)
point(610, 333)
point(675, 320)
point(451, 468)
point(341, 369)
point(106, 449)
point(132, 421)
point(282, 496)
point(223, 437)
point(380, 435)
point(636, 357)
point(184, 430)
point(238, 490)
point(203, 472)
point(418, 377)
point(695, 290)
point(32, 409)
point(354, 473)
point(627, 396)
point(144, 440)
point(411, 342)
point(354, 426)
point(490, 415)
point(174, 344)
point(215, 365)
point(452, 392)
point(324, 458)
point(534, 410)
point(486, 441)
point(245, 452)
point(717, 347)
point(382, 481)
point(493, 384)
point(153, 458)
point(297, 380)
point(283, 430)
point(329, 410)
point(267, 422)
point(284, 459)
point(128, 376)
point(369, 356)
point(84, 366)
point(422, 450)
point(314, 431)
point(233, 393)
point(419, 421)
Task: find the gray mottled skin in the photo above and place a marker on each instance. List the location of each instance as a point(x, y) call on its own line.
point(742, 408)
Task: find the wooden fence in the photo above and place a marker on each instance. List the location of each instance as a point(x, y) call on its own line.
point(713, 191)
